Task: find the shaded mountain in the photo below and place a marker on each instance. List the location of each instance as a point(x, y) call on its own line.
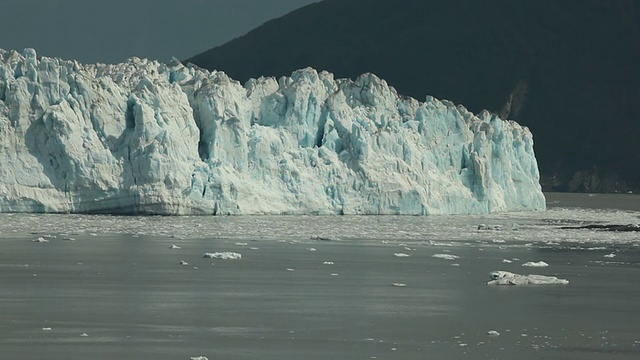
point(570, 70)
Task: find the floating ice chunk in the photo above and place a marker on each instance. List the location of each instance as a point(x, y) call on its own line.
point(290, 269)
point(174, 246)
point(508, 278)
point(40, 240)
point(184, 263)
point(46, 329)
point(399, 284)
point(84, 334)
point(312, 249)
point(507, 261)
point(241, 244)
point(327, 263)
point(225, 255)
point(445, 256)
point(612, 255)
point(535, 264)
point(198, 358)
point(401, 255)
point(493, 333)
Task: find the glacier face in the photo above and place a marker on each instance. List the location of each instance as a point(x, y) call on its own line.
point(148, 138)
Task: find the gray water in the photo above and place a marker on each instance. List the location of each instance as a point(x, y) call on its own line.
point(129, 294)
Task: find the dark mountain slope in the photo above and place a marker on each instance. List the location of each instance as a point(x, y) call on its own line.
point(570, 68)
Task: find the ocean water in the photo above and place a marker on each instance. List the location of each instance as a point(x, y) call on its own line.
point(107, 287)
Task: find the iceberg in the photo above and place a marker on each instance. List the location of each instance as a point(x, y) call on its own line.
point(508, 278)
point(143, 137)
point(225, 255)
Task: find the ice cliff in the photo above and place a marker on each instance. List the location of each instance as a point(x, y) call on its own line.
point(149, 138)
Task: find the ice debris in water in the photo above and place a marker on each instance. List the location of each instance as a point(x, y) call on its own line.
point(40, 240)
point(535, 264)
point(489, 227)
point(493, 333)
point(445, 256)
point(184, 262)
point(399, 284)
point(401, 255)
point(174, 246)
point(198, 358)
point(506, 261)
point(612, 255)
point(225, 255)
point(508, 278)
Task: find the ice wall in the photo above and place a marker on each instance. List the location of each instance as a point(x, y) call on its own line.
point(144, 137)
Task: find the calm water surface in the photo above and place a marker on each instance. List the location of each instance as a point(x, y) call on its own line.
point(292, 296)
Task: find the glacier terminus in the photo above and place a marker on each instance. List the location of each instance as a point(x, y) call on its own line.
point(143, 137)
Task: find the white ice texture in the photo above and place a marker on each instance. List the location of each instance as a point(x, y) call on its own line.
point(148, 138)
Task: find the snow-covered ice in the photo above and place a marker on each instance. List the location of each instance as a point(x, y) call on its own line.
point(508, 278)
point(225, 255)
point(148, 138)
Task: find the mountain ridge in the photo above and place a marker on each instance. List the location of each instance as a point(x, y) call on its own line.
point(567, 70)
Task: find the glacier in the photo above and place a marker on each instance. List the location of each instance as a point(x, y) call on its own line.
point(142, 137)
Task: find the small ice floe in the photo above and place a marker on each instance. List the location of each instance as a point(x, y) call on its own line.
point(198, 358)
point(241, 244)
point(489, 227)
point(493, 333)
point(40, 240)
point(399, 284)
point(225, 255)
point(290, 269)
point(445, 256)
point(506, 261)
point(535, 264)
point(46, 329)
point(401, 255)
point(455, 264)
point(68, 239)
point(327, 263)
point(508, 278)
point(84, 334)
point(174, 246)
point(184, 263)
point(612, 255)
point(312, 249)
point(499, 241)
point(333, 274)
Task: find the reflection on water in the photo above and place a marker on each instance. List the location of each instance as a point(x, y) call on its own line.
point(120, 283)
